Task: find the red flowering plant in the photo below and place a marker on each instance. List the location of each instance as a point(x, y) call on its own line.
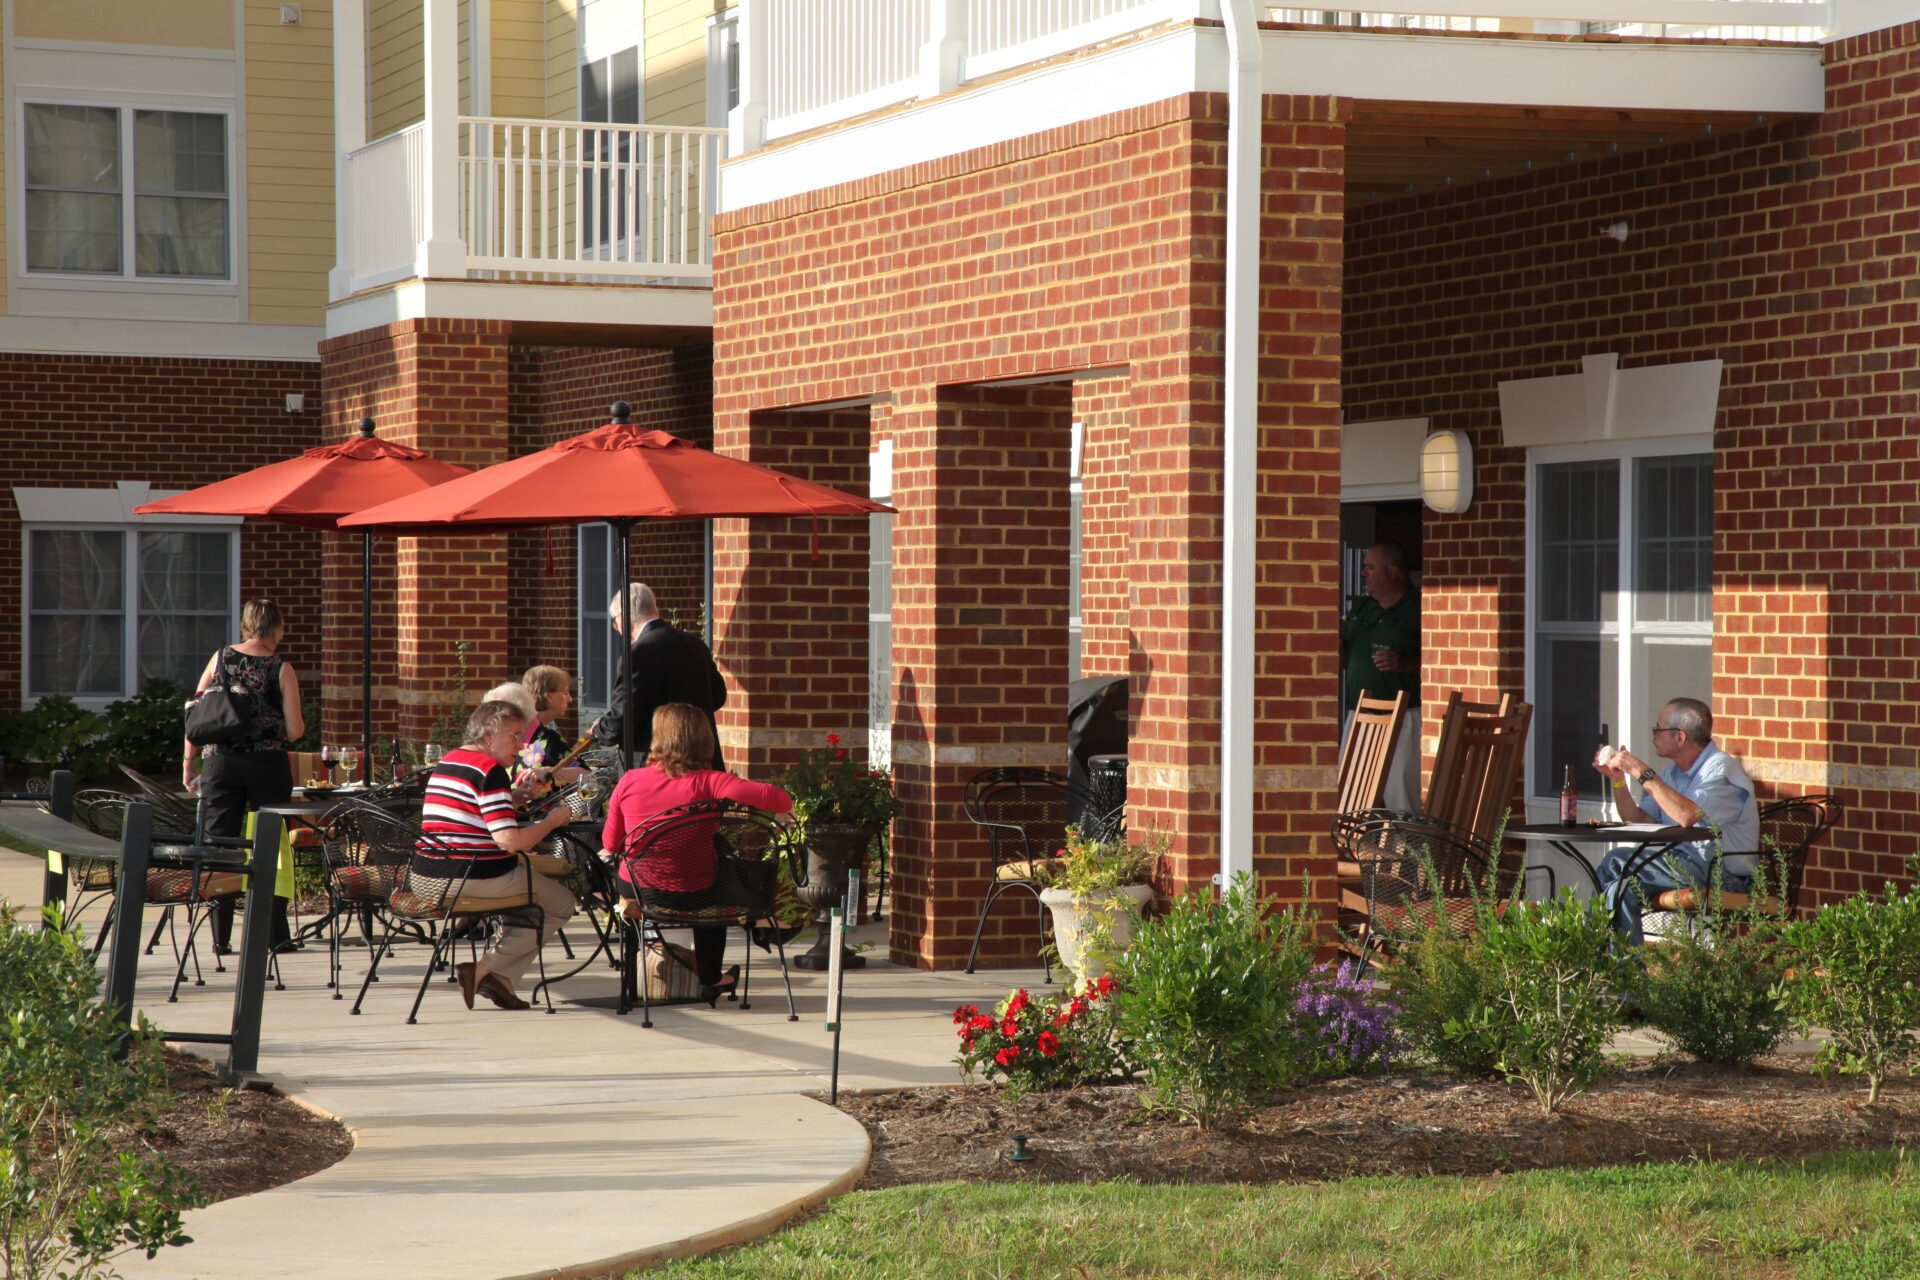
point(830, 786)
point(1034, 1044)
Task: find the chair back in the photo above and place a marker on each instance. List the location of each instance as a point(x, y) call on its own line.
point(1367, 752)
point(1788, 829)
point(707, 828)
point(1025, 811)
point(173, 810)
point(1477, 762)
point(1415, 870)
point(366, 849)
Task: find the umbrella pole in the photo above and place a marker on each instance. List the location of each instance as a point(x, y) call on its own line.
point(626, 647)
point(366, 656)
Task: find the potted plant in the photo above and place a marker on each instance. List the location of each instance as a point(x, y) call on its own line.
point(842, 806)
point(1097, 889)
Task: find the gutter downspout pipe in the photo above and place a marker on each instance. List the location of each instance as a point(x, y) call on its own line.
point(1238, 710)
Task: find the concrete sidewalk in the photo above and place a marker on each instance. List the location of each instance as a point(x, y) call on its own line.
point(492, 1144)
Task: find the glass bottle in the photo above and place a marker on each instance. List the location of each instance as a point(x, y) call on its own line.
point(1569, 800)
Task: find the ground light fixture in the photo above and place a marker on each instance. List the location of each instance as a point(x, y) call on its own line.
point(1446, 471)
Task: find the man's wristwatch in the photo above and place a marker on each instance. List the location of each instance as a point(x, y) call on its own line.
point(1646, 776)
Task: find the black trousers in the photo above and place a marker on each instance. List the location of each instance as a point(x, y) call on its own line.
point(232, 783)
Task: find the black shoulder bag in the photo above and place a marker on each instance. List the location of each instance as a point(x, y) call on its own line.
point(221, 713)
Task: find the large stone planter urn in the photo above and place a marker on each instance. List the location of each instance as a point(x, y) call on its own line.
point(1079, 919)
point(833, 848)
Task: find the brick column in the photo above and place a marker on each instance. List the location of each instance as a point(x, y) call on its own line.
point(980, 654)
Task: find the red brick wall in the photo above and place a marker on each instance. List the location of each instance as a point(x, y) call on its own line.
point(1789, 252)
point(1092, 247)
point(87, 421)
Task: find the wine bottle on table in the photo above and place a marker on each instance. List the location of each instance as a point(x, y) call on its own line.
point(396, 766)
point(1569, 800)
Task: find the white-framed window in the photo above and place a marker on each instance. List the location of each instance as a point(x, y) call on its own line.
point(723, 66)
point(126, 192)
point(108, 608)
point(1620, 598)
point(598, 575)
point(1076, 562)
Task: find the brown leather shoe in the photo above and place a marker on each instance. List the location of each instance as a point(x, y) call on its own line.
point(502, 995)
point(468, 984)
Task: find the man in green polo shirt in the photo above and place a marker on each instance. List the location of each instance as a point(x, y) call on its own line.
point(1380, 650)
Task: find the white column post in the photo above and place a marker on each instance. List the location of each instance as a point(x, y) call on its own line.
point(943, 57)
point(349, 132)
point(441, 255)
point(747, 122)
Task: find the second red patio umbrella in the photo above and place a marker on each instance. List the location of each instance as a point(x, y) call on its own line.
point(313, 491)
point(618, 473)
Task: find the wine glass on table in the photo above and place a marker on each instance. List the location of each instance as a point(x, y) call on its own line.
point(350, 761)
point(431, 754)
point(328, 756)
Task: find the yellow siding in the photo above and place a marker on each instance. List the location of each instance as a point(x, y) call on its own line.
point(396, 51)
point(184, 24)
point(519, 59)
point(563, 60)
point(289, 106)
point(676, 61)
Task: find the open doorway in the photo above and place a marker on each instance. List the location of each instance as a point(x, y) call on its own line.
point(1364, 524)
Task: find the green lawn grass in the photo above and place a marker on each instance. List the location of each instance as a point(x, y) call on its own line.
point(1843, 1217)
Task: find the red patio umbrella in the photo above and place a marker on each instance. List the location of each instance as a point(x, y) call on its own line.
point(313, 491)
point(618, 474)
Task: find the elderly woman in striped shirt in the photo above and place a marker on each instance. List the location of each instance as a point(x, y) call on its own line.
point(469, 812)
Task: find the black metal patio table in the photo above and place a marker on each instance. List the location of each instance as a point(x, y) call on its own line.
point(44, 823)
point(599, 890)
point(1572, 842)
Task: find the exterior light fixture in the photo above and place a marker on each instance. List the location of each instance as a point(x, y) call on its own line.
point(1446, 471)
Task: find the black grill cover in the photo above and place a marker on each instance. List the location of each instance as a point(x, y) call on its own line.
point(1096, 724)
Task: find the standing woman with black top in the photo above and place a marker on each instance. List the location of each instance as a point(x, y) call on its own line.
point(253, 769)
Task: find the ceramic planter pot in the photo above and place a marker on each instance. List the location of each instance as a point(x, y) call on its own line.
point(832, 849)
point(1078, 919)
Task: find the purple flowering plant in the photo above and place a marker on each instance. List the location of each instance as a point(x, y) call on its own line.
point(1341, 1025)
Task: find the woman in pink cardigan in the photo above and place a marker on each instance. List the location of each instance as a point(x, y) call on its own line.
point(677, 772)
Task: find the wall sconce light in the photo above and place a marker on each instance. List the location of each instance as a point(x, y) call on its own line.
point(1446, 471)
point(296, 402)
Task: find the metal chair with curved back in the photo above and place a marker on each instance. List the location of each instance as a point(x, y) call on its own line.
point(430, 890)
point(359, 871)
point(693, 831)
point(1024, 812)
point(1788, 829)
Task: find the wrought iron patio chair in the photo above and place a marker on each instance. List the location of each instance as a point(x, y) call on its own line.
point(1788, 830)
point(359, 872)
point(1024, 813)
point(431, 891)
point(691, 831)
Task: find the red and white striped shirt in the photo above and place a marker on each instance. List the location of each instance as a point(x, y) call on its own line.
point(468, 799)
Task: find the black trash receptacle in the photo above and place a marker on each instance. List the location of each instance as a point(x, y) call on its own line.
point(1107, 779)
point(1096, 725)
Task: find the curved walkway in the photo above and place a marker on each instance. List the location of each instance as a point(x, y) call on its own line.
point(492, 1144)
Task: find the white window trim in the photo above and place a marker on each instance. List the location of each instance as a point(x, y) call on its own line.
point(1541, 804)
point(226, 286)
point(84, 510)
point(723, 31)
point(589, 610)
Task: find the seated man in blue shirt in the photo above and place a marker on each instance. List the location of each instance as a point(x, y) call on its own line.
point(1702, 786)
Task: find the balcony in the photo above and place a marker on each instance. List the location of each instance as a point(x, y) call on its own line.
point(836, 90)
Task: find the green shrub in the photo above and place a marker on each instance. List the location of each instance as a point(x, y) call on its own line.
point(1713, 988)
point(1857, 974)
point(71, 1199)
point(147, 729)
point(1444, 987)
point(1206, 995)
point(55, 733)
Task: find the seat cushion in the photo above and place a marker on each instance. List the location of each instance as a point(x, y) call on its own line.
point(1035, 869)
point(364, 884)
point(175, 884)
point(717, 914)
point(407, 903)
point(1692, 898)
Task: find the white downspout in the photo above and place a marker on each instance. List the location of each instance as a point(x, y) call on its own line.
point(1242, 428)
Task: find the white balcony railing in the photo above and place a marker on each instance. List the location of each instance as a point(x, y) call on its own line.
point(546, 197)
point(810, 63)
point(386, 206)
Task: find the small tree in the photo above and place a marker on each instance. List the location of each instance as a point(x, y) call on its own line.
point(71, 1199)
point(1858, 976)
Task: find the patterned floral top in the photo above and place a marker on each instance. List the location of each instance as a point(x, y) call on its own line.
point(259, 679)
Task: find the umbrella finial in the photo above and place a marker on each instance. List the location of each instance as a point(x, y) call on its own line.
point(622, 411)
point(366, 427)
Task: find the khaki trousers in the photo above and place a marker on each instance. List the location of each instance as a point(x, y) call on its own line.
point(514, 950)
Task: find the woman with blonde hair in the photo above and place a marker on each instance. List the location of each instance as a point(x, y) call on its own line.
point(552, 691)
point(678, 772)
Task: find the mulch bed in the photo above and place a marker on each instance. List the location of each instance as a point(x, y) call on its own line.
point(1396, 1123)
point(237, 1141)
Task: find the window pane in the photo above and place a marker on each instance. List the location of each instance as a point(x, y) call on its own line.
point(1665, 669)
point(179, 153)
point(596, 636)
point(77, 570)
point(1674, 546)
point(186, 573)
point(176, 646)
point(1579, 683)
point(1579, 550)
point(623, 105)
point(73, 147)
point(180, 236)
point(73, 231)
point(593, 90)
point(78, 655)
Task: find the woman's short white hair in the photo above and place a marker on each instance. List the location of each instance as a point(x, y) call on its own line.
point(640, 604)
point(513, 693)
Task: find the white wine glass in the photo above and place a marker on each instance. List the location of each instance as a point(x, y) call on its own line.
point(431, 753)
point(350, 761)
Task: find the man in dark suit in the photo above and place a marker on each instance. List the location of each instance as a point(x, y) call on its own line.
point(668, 665)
